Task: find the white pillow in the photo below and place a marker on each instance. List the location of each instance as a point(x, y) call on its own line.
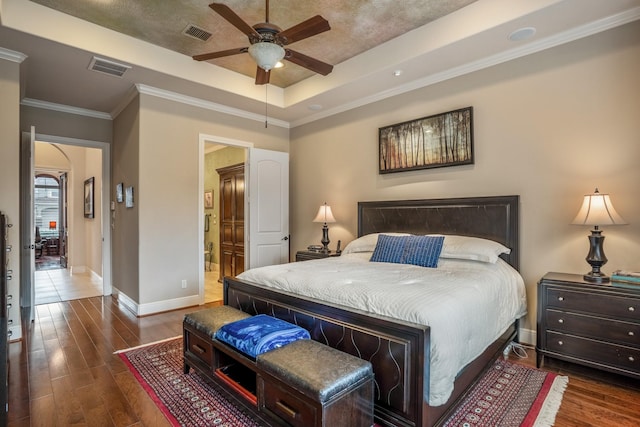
point(472, 248)
point(366, 243)
point(457, 247)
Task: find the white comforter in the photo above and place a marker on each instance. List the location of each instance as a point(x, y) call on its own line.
point(467, 304)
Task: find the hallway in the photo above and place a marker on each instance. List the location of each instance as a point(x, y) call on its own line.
point(59, 285)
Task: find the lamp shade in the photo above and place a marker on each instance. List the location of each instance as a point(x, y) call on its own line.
point(266, 54)
point(597, 210)
point(324, 214)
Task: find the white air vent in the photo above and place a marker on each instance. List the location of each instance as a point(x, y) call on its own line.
point(105, 66)
point(196, 33)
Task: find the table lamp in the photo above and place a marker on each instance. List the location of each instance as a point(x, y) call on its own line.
point(325, 215)
point(597, 210)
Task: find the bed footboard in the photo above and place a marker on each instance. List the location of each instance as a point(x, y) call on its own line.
point(396, 349)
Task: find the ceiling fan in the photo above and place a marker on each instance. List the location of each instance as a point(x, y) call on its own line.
point(267, 41)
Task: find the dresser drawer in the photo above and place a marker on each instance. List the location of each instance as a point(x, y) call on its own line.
point(287, 405)
point(594, 327)
point(200, 348)
point(612, 355)
point(597, 303)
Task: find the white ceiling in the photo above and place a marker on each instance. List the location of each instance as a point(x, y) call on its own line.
point(57, 49)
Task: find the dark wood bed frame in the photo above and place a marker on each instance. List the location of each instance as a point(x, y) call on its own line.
point(398, 350)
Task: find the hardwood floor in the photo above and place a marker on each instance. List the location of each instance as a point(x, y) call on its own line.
point(64, 372)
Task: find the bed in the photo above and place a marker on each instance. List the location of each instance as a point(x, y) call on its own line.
point(399, 349)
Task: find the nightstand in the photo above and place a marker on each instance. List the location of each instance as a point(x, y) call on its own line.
point(596, 325)
point(309, 255)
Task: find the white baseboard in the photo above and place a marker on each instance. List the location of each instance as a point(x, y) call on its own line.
point(95, 276)
point(527, 336)
point(77, 269)
point(155, 307)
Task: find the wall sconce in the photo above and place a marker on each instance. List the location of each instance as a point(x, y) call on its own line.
point(325, 216)
point(52, 225)
point(597, 210)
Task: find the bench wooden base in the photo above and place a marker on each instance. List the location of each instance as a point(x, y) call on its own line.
point(267, 394)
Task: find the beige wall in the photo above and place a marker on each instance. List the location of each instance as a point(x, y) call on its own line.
point(124, 233)
point(550, 127)
point(10, 173)
point(92, 227)
point(158, 145)
point(223, 157)
point(50, 122)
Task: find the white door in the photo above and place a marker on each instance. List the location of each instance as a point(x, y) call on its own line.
point(27, 224)
point(268, 199)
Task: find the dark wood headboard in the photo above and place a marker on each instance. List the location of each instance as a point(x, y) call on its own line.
point(495, 218)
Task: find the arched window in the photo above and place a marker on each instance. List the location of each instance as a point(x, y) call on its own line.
point(47, 204)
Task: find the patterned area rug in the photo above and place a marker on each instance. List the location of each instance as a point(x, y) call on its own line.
point(186, 400)
point(511, 395)
point(508, 394)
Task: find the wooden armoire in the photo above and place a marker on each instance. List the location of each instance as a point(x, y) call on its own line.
point(231, 220)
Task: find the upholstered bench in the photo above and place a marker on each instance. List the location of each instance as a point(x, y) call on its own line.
point(307, 383)
point(303, 383)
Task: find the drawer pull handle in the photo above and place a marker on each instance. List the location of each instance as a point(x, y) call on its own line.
point(631, 359)
point(289, 411)
point(198, 349)
point(632, 309)
point(560, 320)
point(560, 298)
point(560, 343)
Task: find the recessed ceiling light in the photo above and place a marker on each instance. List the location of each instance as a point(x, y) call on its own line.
point(522, 34)
point(397, 73)
point(315, 107)
point(279, 64)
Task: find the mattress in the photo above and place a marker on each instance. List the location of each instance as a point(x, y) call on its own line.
point(467, 304)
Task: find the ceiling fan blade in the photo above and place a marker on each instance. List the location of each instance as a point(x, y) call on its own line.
point(308, 62)
point(228, 14)
point(262, 76)
point(220, 54)
point(303, 30)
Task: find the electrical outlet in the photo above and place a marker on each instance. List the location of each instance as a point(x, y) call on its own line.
point(184, 283)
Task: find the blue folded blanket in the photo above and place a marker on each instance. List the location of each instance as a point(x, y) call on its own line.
point(259, 334)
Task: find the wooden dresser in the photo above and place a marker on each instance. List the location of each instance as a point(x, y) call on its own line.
point(597, 325)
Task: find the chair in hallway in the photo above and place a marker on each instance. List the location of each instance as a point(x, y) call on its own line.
point(40, 243)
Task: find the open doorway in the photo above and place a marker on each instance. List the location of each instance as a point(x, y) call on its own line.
point(216, 157)
point(264, 226)
point(47, 196)
point(69, 249)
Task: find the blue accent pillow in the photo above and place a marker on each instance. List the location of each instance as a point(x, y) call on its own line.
point(259, 334)
point(423, 251)
point(389, 249)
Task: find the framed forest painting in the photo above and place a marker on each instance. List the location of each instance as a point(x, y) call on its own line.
point(436, 141)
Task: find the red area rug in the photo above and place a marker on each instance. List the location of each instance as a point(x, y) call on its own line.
point(507, 395)
point(185, 399)
point(511, 395)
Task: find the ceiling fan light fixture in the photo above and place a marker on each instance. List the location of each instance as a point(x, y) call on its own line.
point(266, 54)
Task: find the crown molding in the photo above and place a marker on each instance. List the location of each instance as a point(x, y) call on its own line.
point(65, 108)
point(208, 105)
point(528, 49)
point(12, 55)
